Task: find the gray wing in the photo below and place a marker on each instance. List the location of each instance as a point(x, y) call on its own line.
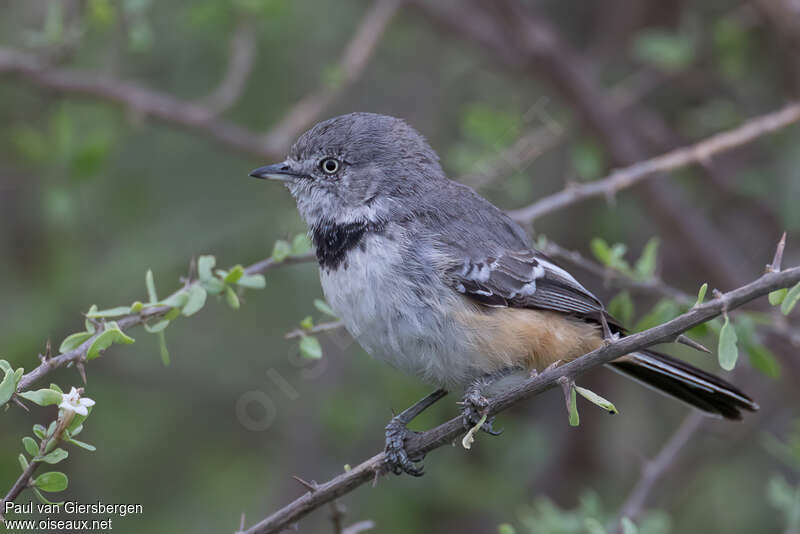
point(485, 255)
point(524, 279)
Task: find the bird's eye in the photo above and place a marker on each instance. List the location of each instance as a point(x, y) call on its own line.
point(330, 165)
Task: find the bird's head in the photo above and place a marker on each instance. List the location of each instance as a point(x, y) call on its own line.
point(357, 167)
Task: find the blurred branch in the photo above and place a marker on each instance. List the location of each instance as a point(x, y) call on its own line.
point(355, 58)
point(147, 102)
point(240, 65)
point(125, 322)
point(201, 116)
point(524, 41)
point(676, 159)
point(655, 469)
point(445, 433)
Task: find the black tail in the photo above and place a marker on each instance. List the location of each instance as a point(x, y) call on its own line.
point(684, 382)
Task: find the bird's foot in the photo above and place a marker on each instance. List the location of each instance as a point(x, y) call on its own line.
point(397, 459)
point(474, 407)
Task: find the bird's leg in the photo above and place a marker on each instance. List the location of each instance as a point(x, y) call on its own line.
point(397, 459)
point(475, 405)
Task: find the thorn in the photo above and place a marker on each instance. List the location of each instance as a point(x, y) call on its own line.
point(48, 353)
point(376, 477)
point(553, 365)
point(310, 486)
point(20, 403)
point(689, 342)
point(241, 523)
point(81, 371)
point(775, 267)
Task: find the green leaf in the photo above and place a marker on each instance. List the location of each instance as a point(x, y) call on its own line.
point(790, 300)
point(30, 446)
point(5, 366)
point(574, 418)
point(310, 347)
point(628, 526)
point(39, 430)
point(252, 281)
point(55, 387)
point(89, 447)
point(505, 528)
point(307, 323)
point(8, 385)
point(728, 352)
point(701, 295)
point(23, 462)
point(601, 250)
point(43, 499)
point(234, 275)
point(176, 300)
point(301, 244)
point(622, 308)
point(281, 250)
point(214, 286)
point(777, 296)
point(89, 324)
point(204, 266)
point(231, 298)
point(111, 312)
point(54, 456)
point(323, 306)
point(52, 481)
point(197, 299)
point(596, 399)
point(73, 341)
point(111, 334)
point(42, 397)
point(74, 432)
point(646, 264)
point(173, 314)
point(162, 347)
point(157, 327)
point(151, 287)
point(667, 51)
point(762, 359)
point(136, 307)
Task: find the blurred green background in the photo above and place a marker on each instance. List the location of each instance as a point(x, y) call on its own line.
point(93, 193)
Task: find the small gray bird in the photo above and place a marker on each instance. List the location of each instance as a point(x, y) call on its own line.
point(435, 280)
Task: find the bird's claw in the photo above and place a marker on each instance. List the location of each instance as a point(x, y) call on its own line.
point(474, 407)
point(397, 459)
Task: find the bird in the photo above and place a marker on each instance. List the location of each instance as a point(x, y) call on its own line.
point(435, 280)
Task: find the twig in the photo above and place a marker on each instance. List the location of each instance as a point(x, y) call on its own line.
point(200, 117)
point(133, 319)
point(656, 468)
point(240, 65)
point(675, 159)
point(447, 432)
point(352, 64)
point(321, 327)
point(141, 100)
point(24, 480)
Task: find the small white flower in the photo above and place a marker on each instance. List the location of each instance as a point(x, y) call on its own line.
point(72, 401)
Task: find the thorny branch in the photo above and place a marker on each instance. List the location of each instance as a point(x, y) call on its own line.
point(447, 432)
point(78, 354)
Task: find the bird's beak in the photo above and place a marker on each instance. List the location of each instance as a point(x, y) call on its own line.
point(278, 171)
